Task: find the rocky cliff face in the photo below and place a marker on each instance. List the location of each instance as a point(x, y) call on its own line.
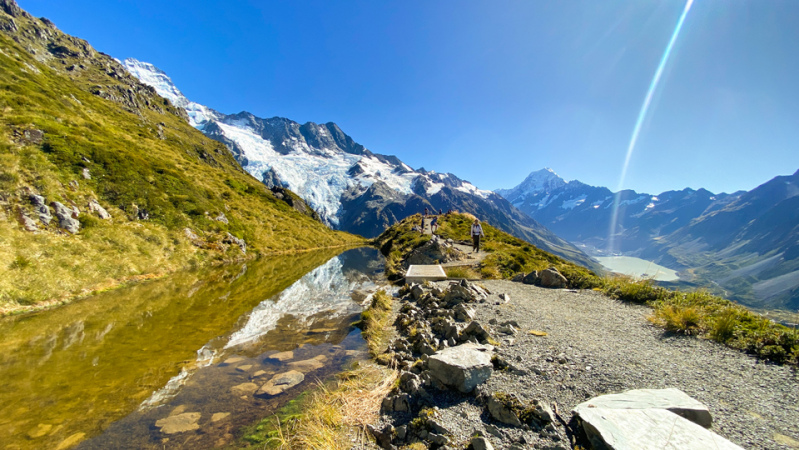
point(744, 243)
point(350, 187)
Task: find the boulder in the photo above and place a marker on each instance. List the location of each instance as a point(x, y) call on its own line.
point(531, 278)
point(502, 413)
point(645, 429)
point(95, 207)
point(65, 219)
point(41, 209)
point(551, 278)
point(230, 239)
point(462, 367)
point(179, 423)
point(480, 443)
point(280, 383)
point(28, 223)
point(85, 174)
point(671, 399)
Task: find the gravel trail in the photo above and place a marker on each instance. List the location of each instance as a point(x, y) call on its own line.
point(595, 345)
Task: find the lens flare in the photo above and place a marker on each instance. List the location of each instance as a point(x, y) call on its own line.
point(614, 217)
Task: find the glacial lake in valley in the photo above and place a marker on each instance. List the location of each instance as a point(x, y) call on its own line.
point(637, 268)
point(106, 371)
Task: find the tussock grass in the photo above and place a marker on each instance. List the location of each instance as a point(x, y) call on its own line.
point(375, 323)
point(331, 416)
point(461, 272)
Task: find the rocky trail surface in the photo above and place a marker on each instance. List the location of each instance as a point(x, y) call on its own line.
point(552, 349)
point(467, 256)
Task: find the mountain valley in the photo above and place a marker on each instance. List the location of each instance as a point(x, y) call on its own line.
point(742, 245)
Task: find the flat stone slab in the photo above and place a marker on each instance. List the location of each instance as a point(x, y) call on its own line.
point(418, 273)
point(647, 429)
point(671, 399)
point(462, 367)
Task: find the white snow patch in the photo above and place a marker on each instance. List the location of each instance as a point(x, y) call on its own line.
point(573, 203)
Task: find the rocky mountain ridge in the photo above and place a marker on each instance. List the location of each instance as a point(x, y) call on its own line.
point(350, 187)
point(743, 243)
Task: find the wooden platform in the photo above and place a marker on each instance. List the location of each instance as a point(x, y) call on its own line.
point(422, 273)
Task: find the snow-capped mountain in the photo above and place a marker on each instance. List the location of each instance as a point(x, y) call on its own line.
point(743, 244)
point(350, 187)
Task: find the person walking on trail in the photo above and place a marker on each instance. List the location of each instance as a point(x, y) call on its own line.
point(477, 232)
point(425, 212)
point(433, 225)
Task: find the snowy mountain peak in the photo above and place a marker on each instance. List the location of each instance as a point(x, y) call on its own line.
point(539, 182)
point(158, 79)
point(317, 161)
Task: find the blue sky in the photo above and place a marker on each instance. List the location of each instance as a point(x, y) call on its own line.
point(490, 91)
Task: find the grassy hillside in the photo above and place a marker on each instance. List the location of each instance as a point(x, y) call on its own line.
point(75, 127)
point(693, 313)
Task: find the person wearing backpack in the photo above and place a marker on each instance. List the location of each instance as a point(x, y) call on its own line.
point(477, 232)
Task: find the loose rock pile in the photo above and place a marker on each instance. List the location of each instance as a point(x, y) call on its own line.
point(442, 350)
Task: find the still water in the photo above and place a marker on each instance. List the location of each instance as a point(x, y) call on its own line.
point(107, 371)
point(638, 268)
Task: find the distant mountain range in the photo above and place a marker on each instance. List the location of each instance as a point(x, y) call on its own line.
point(745, 243)
point(350, 187)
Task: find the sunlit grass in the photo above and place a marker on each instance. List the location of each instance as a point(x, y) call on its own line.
point(138, 151)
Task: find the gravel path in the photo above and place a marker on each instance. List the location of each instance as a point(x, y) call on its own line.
point(595, 345)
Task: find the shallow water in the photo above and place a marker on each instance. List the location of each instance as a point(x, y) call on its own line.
point(101, 372)
point(637, 267)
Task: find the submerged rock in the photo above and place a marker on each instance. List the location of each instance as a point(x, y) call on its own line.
point(281, 383)
point(179, 423)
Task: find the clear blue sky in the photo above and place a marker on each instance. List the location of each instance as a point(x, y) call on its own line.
point(490, 91)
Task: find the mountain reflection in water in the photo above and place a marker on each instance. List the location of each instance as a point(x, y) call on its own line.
point(140, 353)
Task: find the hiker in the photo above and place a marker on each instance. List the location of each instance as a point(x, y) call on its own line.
point(477, 231)
point(433, 225)
point(425, 212)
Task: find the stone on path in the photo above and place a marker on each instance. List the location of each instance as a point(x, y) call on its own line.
point(645, 429)
point(671, 399)
point(420, 273)
point(480, 443)
point(244, 368)
point(281, 383)
point(179, 423)
point(551, 278)
point(462, 367)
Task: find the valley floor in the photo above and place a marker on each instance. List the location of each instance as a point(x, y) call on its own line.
point(595, 345)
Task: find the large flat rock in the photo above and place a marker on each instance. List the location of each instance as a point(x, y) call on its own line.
point(280, 383)
point(418, 273)
point(647, 429)
point(671, 399)
point(462, 367)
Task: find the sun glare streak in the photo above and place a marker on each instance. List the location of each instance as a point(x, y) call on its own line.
point(639, 123)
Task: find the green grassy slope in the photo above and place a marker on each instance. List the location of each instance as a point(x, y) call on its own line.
point(66, 109)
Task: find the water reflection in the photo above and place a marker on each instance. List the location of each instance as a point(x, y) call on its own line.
point(68, 374)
